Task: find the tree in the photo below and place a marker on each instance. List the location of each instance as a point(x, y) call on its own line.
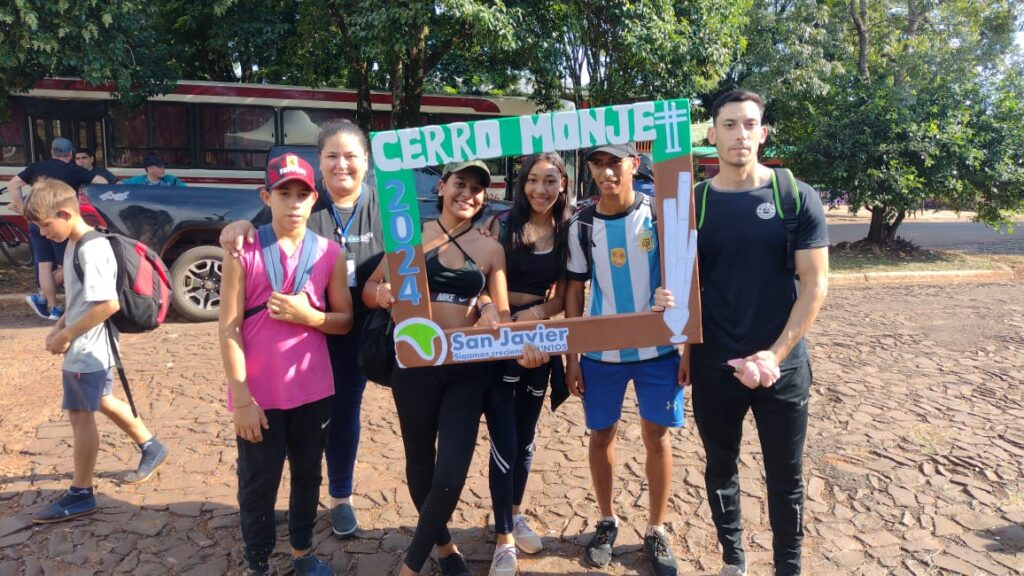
point(230, 40)
point(919, 105)
point(621, 50)
point(108, 42)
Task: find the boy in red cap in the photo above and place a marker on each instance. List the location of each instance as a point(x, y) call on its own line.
point(278, 370)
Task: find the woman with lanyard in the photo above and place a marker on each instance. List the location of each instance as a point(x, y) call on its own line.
point(347, 214)
point(439, 407)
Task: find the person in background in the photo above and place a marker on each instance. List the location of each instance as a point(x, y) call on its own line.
point(156, 174)
point(85, 158)
point(49, 255)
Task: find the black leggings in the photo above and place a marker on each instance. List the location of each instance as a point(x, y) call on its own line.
point(512, 405)
point(442, 404)
point(298, 434)
point(720, 403)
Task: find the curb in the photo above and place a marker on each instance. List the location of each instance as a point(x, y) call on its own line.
point(1001, 274)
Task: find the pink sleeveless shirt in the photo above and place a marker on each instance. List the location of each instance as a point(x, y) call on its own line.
point(286, 365)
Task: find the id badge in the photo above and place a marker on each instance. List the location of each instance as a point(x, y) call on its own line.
point(350, 264)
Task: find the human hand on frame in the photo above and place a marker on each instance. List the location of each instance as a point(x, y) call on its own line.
point(533, 357)
point(383, 294)
point(663, 299)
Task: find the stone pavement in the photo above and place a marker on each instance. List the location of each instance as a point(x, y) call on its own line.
point(914, 461)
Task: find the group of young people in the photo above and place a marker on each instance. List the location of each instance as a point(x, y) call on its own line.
point(299, 283)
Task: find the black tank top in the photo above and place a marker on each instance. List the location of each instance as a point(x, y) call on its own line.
point(455, 286)
point(533, 274)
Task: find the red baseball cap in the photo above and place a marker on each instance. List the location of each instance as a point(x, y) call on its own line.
point(287, 167)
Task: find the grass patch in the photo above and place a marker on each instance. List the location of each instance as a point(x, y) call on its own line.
point(902, 256)
point(930, 439)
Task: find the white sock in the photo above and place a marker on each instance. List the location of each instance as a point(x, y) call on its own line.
point(652, 528)
point(612, 518)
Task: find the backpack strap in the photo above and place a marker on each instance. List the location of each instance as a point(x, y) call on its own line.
point(503, 227)
point(585, 227)
point(703, 203)
point(76, 263)
point(275, 271)
point(787, 206)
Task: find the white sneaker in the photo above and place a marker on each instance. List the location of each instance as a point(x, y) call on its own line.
point(526, 539)
point(730, 570)
point(504, 562)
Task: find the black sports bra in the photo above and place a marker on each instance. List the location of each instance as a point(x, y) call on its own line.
point(453, 286)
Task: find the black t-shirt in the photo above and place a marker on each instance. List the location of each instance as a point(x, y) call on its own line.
point(107, 174)
point(68, 172)
point(747, 290)
point(364, 241)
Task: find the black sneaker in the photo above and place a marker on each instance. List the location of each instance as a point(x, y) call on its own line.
point(599, 549)
point(453, 565)
point(659, 551)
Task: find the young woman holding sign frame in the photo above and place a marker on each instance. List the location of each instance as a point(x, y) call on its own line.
point(442, 404)
point(533, 234)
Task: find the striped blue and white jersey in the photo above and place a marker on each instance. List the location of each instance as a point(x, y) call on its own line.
point(625, 270)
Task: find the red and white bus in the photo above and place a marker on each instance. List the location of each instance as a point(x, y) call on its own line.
point(209, 133)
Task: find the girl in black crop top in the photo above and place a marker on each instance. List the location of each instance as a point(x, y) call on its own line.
point(443, 404)
point(534, 235)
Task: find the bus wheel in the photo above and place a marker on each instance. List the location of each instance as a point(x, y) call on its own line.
point(195, 283)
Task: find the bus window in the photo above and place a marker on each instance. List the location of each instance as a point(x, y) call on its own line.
point(155, 127)
point(13, 146)
point(303, 126)
point(235, 136)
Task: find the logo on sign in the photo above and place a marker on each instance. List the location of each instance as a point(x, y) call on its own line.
point(425, 337)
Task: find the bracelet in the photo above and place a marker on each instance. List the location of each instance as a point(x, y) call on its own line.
point(251, 402)
point(480, 307)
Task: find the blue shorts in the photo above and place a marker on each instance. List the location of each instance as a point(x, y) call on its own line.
point(83, 390)
point(44, 249)
point(655, 381)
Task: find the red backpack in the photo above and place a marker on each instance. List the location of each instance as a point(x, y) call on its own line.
point(143, 285)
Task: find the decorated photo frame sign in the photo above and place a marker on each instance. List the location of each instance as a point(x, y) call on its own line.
point(419, 341)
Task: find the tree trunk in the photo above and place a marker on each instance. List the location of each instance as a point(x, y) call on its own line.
point(364, 105)
point(859, 13)
point(882, 230)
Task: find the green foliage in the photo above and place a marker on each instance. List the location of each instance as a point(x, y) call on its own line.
point(622, 50)
point(99, 41)
point(229, 40)
point(932, 115)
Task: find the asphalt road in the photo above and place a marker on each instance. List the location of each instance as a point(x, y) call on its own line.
point(968, 236)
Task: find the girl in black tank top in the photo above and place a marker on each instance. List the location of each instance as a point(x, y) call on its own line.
point(448, 397)
point(533, 234)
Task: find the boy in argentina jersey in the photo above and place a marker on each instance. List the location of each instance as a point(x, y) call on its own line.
point(623, 269)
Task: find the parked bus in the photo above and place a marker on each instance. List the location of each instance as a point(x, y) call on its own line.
point(211, 133)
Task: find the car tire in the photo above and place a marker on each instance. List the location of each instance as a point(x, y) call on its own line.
point(195, 283)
